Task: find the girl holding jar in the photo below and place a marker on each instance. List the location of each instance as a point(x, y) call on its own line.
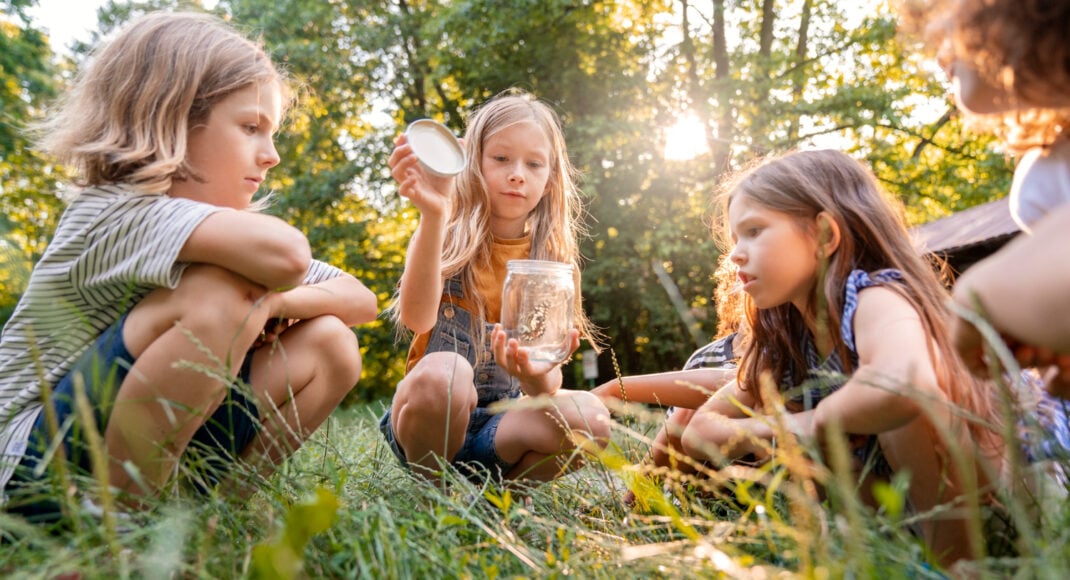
point(515, 199)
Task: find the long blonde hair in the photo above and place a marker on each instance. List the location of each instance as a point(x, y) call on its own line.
point(1020, 46)
point(555, 224)
point(127, 118)
point(873, 237)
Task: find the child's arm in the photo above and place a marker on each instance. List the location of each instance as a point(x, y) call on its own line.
point(688, 388)
point(1023, 290)
point(343, 296)
point(895, 375)
point(263, 248)
point(421, 283)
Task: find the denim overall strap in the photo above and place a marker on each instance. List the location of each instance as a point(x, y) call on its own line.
point(453, 332)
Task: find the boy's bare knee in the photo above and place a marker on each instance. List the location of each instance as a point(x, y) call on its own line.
point(338, 348)
point(211, 303)
point(204, 284)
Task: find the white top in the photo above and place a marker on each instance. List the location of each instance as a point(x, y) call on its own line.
point(1041, 183)
point(111, 248)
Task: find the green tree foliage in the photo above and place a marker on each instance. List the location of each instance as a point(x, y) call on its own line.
point(28, 206)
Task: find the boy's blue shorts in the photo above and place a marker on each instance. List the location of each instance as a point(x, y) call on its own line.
point(217, 443)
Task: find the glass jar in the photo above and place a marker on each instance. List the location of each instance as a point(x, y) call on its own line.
point(538, 302)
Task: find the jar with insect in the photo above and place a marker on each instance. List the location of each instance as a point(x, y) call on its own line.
point(538, 303)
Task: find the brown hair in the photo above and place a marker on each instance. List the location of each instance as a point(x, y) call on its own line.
point(1020, 46)
point(873, 237)
point(728, 297)
point(127, 118)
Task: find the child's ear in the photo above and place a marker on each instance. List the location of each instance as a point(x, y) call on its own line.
point(828, 234)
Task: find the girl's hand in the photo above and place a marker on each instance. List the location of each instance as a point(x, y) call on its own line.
point(428, 192)
point(721, 440)
point(536, 377)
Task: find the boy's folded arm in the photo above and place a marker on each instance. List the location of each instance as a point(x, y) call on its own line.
point(343, 296)
point(260, 247)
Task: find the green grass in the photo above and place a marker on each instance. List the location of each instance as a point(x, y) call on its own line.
point(343, 507)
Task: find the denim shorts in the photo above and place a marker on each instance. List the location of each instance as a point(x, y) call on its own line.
point(477, 459)
point(102, 368)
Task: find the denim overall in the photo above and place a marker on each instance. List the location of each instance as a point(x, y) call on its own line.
point(452, 333)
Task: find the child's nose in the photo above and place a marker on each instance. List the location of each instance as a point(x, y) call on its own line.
point(516, 173)
point(736, 255)
point(269, 156)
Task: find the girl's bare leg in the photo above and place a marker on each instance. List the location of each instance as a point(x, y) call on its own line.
point(666, 449)
point(911, 449)
point(539, 440)
point(431, 408)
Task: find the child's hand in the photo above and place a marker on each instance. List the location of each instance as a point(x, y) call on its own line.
point(535, 376)
point(1054, 367)
point(801, 424)
point(272, 331)
point(969, 344)
point(428, 192)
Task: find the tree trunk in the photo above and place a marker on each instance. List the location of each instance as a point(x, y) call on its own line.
point(798, 82)
point(722, 145)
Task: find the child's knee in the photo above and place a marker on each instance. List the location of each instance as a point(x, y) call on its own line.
point(337, 347)
point(692, 443)
point(210, 287)
point(594, 417)
point(439, 381)
point(212, 304)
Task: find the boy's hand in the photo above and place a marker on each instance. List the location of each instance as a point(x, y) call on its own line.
point(272, 331)
point(969, 344)
point(1054, 367)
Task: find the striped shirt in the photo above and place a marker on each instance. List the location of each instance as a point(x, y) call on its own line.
point(111, 248)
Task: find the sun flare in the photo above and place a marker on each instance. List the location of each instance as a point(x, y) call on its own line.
point(686, 139)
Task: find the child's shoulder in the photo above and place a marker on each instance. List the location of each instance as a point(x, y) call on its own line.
point(115, 207)
point(1041, 183)
point(718, 353)
point(872, 299)
point(106, 195)
point(859, 280)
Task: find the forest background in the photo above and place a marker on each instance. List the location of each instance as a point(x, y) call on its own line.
point(659, 100)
